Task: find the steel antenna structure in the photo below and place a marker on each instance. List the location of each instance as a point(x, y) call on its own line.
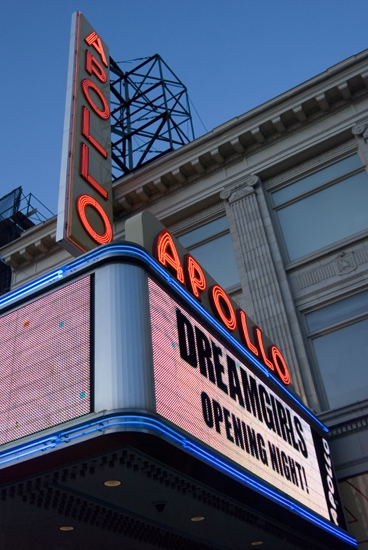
point(150, 114)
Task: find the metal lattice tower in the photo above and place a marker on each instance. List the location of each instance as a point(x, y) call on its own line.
point(150, 114)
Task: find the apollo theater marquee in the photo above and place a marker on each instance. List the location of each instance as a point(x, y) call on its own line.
point(133, 345)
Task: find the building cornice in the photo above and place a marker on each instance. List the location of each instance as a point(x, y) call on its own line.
point(33, 243)
point(346, 420)
point(318, 97)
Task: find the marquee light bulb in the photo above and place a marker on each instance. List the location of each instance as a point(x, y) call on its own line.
point(112, 483)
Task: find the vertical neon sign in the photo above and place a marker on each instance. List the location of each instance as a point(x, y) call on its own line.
point(85, 196)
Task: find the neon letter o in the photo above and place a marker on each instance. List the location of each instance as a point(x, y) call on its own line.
point(280, 364)
point(86, 85)
point(82, 202)
point(217, 294)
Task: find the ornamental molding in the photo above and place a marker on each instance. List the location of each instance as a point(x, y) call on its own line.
point(241, 189)
point(345, 263)
point(361, 130)
point(312, 163)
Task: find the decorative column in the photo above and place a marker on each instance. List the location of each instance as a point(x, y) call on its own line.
point(360, 132)
point(263, 299)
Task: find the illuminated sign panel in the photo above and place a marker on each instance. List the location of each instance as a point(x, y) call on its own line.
point(45, 362)
point(204, 389)
point(85, 196)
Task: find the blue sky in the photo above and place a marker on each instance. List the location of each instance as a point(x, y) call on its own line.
point(232, 55)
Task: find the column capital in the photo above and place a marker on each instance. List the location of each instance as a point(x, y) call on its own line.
point(241, 189)
point(361, 129)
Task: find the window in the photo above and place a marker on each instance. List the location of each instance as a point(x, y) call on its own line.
point(324, 207)
point(338, 333)
point(211, 246)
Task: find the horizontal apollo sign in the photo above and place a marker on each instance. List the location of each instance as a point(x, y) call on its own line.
point(190, 272)
point(153, 348)
point(147, 231)
point(85, 195)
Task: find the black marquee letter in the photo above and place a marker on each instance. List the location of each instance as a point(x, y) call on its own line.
point(207, 409)
point(186, 339)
